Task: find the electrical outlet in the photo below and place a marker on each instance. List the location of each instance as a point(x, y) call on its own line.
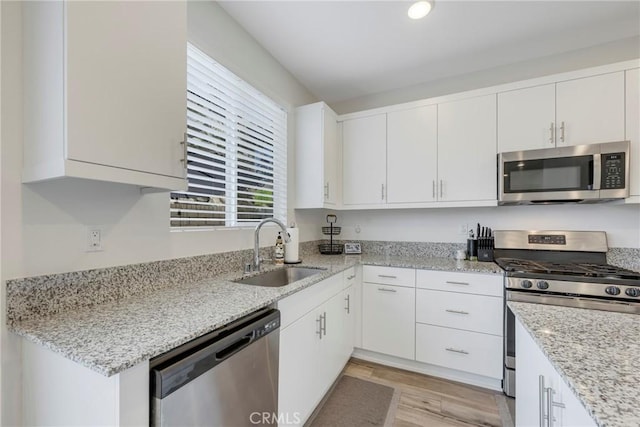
point(94, 240)
point(463, 230)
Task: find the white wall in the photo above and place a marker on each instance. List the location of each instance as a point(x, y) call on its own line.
point(608, 53)
point(44, 225)
point(621, 222)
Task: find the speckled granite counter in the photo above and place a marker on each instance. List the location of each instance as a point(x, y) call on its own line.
point(115, 335)
point(596, 353)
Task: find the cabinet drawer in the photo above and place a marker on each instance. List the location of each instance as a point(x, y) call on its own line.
point(468, 283)
point(477, 313)
point(473, 352)
point(389, 275)
point(349, 277)
point(388, 320)
point(297, 305)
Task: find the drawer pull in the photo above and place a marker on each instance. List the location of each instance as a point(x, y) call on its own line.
point(457, 351)
point(387, 290)
point(457, 311)
point(351, 277)
point(387, 277)
point(457, 283)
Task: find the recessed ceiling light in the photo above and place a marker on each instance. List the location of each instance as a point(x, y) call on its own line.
point(419, 9)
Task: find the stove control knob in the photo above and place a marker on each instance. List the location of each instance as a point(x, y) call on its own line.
point(526, 284)
point(612, 290)
point(542, 284)
point(633, 292)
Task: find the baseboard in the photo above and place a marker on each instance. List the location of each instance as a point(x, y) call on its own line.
point(428, 369)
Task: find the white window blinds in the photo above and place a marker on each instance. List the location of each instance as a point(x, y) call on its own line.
point(236, 145)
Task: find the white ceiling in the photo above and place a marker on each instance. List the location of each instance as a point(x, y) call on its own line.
point(346, 49)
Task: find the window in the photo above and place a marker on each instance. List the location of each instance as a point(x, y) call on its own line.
point(236, 145)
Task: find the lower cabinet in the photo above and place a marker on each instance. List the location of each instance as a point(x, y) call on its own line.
point(541, 389)
point(388, 311)
point(314, 347)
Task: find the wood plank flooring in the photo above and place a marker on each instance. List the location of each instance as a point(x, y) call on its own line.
point(422, 400)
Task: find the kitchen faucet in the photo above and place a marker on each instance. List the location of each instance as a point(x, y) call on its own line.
point(256, 247)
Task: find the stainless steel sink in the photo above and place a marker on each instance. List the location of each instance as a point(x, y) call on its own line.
point(280, 277)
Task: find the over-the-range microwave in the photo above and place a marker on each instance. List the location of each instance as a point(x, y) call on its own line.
point(578, 174)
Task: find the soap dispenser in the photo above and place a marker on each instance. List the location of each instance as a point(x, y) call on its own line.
point(278, 253)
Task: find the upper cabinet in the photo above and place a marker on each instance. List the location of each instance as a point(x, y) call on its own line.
point(632, 131)
point(412, 155)
point(317, 161)
point(364, 143)
point(105, 92)
point(467, 149)
point(572, 112)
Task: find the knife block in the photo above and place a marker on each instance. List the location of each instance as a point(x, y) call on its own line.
point(485, 255)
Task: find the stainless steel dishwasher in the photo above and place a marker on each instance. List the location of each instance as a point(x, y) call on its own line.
point(228, 377)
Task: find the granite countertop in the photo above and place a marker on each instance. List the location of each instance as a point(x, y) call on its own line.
point(595, 352)
point(111, 337)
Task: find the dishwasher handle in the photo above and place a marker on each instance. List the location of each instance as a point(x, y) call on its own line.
point(235, 347)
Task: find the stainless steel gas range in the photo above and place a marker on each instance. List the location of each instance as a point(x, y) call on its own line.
point(566, 268)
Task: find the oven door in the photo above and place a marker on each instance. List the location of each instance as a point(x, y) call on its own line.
point(550, 175)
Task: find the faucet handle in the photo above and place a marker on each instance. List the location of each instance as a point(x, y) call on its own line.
point(247, 267)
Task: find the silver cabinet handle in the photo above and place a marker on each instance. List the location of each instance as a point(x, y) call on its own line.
point(347, 299)
point(562, 132)
point(185, 152)
point(551, 134)
point(441, 189)
point(387, 290)
point(326, 191)
point(387, 276)
point(382, 192)
point(457, 283)
point(433, 188)
point(456, 311)
point(541, 403)
point(319, 322)
point(550, 405)
point(455, 350)
point(324, 323)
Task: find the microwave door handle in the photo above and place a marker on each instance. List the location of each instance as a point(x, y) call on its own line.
point(597, 171)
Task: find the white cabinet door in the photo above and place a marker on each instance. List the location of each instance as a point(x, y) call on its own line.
point(333, 340)
point(105, 91)
point(316, 156)
point(412, 153)
point(526, 118)
point(348, 322)
point(467, 164)
point(535, 379)
point(298, 373)
point(591, 108)
point(364, 160)
point(388, 320)
point(632, 132)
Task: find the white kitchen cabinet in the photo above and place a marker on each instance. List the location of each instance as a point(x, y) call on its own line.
point(317, 161)
point(105, 92)
point(632, 129)
point(348, 321)
point(572, 112)
point(537, 381)
point(59, 391)
point(459, 323)
point(364, 144)
point(467, 150)
point(412, 155)
point(388, 311)
point(312, 347)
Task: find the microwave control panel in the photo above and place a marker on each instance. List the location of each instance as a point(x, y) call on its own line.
point(613, 171)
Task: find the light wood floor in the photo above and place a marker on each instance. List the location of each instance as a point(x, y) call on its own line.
point(422, 400)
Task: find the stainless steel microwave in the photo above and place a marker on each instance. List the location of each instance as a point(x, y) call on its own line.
point(578, 174)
